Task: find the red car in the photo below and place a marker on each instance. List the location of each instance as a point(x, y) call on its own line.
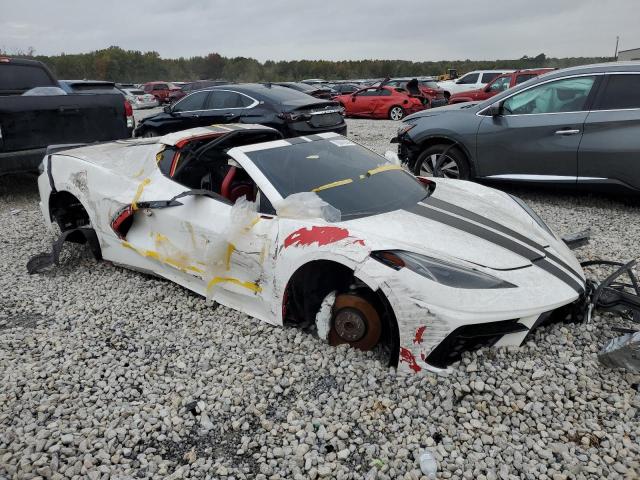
point(380, 102)
point(499, 84)
point(428, 87)
point(160, 90)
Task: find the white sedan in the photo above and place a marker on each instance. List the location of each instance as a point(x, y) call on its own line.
point(138, 99)
point(317, 232)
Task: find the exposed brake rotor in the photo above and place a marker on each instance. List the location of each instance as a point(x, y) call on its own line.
point(354, 321)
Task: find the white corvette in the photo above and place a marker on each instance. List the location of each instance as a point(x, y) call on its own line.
point(318, 232)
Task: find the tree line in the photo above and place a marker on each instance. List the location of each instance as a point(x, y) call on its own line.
point(120, 65)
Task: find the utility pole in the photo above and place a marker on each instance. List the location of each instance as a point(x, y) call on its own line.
point(615, 55)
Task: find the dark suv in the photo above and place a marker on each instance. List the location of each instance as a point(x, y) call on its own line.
point(574, 126)
point(291, 112)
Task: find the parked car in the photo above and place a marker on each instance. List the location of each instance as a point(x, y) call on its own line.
point(187, 88)
point(499, 84)
point(123, 86)
point(380, 102)
point(291, 112)
point(30, 122)
point(356, 246)
point(138, 99)
point(94, 87)
point(160, 90)
point(344, 88)
point(573, 126)
point(315, 90)
point(429, 88)
point(470, 81)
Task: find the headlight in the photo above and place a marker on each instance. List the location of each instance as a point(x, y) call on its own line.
point(405, 128)
point(533, 215)
point(440, 271)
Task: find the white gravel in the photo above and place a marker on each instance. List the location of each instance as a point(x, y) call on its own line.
point(107, 373)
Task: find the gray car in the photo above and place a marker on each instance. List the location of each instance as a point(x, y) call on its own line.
point(574, 126)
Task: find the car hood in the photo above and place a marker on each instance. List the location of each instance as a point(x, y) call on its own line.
point(407, 230)
point(460, 108)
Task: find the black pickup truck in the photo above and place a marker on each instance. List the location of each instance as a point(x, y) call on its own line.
point(30, 123)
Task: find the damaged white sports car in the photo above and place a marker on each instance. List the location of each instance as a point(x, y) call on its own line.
point(318, 232)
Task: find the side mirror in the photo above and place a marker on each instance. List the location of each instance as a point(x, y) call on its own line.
point(353, 97)
point(487, 88)
point(167, 109)
point(495, 110)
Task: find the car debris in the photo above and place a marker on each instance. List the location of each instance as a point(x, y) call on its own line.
point(622, 352)
point(420, 269)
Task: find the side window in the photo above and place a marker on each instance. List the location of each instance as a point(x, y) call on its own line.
point(468, 79)
point(487, 77)
point(622, 91)
point(245, 101)
point(524, 77)
point(222, 100)
point(567, 95)
point(192, 102)
point(500, 84)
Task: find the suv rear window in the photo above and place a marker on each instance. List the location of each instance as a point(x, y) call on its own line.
point(622, 91)
point(23, 77)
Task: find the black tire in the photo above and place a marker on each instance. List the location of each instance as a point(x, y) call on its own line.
point(396, 113)
point(150, 133)
point(454, 165)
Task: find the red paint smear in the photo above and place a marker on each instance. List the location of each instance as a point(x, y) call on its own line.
point(320, 235)
point(359, 242)
point(419, 335)
point(407, 356)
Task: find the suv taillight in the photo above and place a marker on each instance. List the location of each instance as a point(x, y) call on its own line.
point(128, 112)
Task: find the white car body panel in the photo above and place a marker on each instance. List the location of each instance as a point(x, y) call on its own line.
point(243, 259)
point(452, 86)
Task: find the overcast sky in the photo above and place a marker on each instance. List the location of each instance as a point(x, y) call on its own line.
point(325, 29)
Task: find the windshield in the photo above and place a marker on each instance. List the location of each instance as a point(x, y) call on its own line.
point(344, 174)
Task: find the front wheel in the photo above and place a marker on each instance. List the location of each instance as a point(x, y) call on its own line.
point(442, 161)
point(396, 113)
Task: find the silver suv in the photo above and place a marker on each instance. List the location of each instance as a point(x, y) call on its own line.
point(578, 126)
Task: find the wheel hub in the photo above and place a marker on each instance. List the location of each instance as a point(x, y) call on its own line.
point(350, 325)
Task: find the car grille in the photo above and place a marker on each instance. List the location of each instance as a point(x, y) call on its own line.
point(326, 120)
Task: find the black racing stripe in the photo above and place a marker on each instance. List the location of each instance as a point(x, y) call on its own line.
point(549, 267)
point(477, 230)
point(314, 137)
point(297, 140)
point(449, 207)
point(497, 239)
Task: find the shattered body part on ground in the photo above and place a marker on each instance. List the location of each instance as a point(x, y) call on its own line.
point(423, 269)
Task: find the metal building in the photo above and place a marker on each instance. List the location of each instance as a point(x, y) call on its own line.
point(633, 54)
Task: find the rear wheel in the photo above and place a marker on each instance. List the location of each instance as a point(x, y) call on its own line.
point(442, 160)
point(150, 133)
point(396, 113)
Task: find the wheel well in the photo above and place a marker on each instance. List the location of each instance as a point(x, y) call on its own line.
point(67, 211)
point(312, 282)
point(431, 141)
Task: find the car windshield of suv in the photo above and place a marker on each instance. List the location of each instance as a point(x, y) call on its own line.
point(344, 174)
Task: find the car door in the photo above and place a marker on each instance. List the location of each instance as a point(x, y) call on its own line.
point(190, 109)
point(225, 106)
point(465, 83)
point(209, 245)
point(610, 147)
point(537, 134)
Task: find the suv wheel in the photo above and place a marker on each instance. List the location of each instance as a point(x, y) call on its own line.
point(442, 161)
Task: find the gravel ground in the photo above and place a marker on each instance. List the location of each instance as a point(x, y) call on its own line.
point(107, 373)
